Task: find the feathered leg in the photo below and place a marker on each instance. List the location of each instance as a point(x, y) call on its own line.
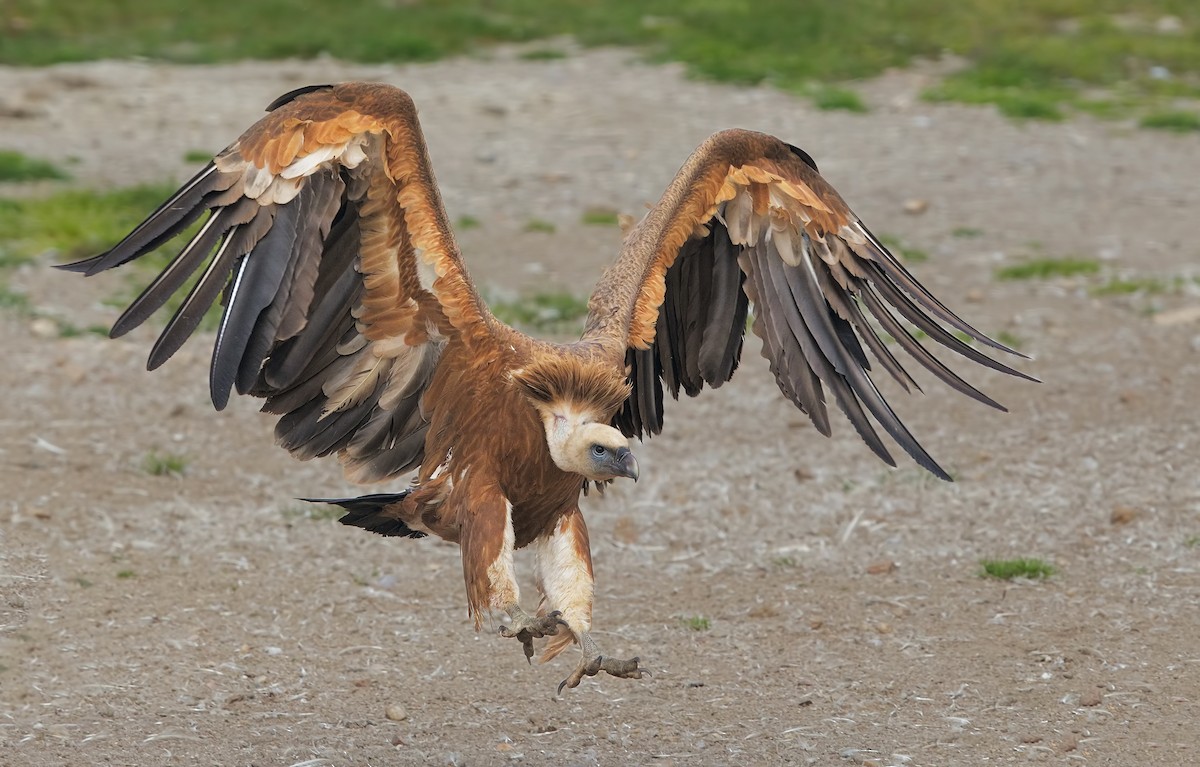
point(564, 576)
point(487, 553)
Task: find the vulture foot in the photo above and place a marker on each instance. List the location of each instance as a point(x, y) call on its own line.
point(625, 669)
point(593, 663)
point(526, 628)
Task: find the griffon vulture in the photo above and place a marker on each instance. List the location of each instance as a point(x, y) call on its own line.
point(349, 310)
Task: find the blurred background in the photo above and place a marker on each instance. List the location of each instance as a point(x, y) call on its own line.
point(1032, 58)
point(1133, 63)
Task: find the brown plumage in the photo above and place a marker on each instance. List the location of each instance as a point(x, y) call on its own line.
point(348, 309)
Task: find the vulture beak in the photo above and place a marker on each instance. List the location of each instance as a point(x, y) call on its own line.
point(626, 465)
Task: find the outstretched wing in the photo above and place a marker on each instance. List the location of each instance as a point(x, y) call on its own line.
point(340, 278)
point(749, 220)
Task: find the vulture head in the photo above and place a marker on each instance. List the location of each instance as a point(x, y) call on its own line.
point(596, 450)
point(576, 400)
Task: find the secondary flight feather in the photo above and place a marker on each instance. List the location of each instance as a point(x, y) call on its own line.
point(348, 309)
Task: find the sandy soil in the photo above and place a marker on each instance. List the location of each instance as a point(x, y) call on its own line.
point(207, 620)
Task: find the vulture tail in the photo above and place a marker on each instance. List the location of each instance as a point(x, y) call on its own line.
point(371, 512)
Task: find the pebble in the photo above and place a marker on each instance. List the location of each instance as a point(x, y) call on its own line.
point(881, 567)
point(44, 327)
point(1123, 515)
point(396, 712)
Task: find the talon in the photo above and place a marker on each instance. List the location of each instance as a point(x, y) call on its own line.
point(624, 669)
point(525, 628)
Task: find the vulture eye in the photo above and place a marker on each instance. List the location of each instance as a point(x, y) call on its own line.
point(599, 450)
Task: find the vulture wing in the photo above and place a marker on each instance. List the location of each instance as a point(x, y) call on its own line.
point(341, 280)
point(749, 220)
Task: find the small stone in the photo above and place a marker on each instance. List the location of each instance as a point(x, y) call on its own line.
point(1122, 515)
point(44, 327)
point(764, 610)
point(1092, 697)
point(883, 627)
point(1181, 316)
point(1168, 25)
point(974, 295)
point(881, 567)
point(395, 712)
point(916, 206)
point(1069, 743)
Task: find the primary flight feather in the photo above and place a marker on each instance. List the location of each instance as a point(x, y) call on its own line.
point(348, 309)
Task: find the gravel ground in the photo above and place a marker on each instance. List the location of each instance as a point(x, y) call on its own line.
point(208, 619)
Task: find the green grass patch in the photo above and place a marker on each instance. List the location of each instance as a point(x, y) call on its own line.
point(78, 223)
point(70, 330)
point(543, 54)
point(1048, 268)
point(126, 574)
point(897, 247)
point(14, 300)
point(972, 87)
point(197, 156)
point(1177, 121)
point(15, 166)
point(557, 313)
point(465, 222)
point(696, 623)
point(1010, 340)
point(1192, 541)
point(74, 223)
point(540, 225)
point(164, 464)
point(1127, 286)
point(1008, 569)
point(966, 232)
point(600, 217)
point(832, 97)
point(1032, 58)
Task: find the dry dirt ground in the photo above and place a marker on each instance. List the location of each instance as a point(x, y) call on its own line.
point(207, 620)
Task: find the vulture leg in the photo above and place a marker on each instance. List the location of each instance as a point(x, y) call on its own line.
point(486, 541)
point(564, 577)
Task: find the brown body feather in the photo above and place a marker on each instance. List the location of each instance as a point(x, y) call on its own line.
point(349, 310)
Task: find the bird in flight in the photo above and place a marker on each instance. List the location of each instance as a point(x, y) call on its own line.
point(348, 309)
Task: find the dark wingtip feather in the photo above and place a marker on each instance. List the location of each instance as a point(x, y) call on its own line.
point(85, 266)
point(932, 467)
point(291, 96)
point(805, 157)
